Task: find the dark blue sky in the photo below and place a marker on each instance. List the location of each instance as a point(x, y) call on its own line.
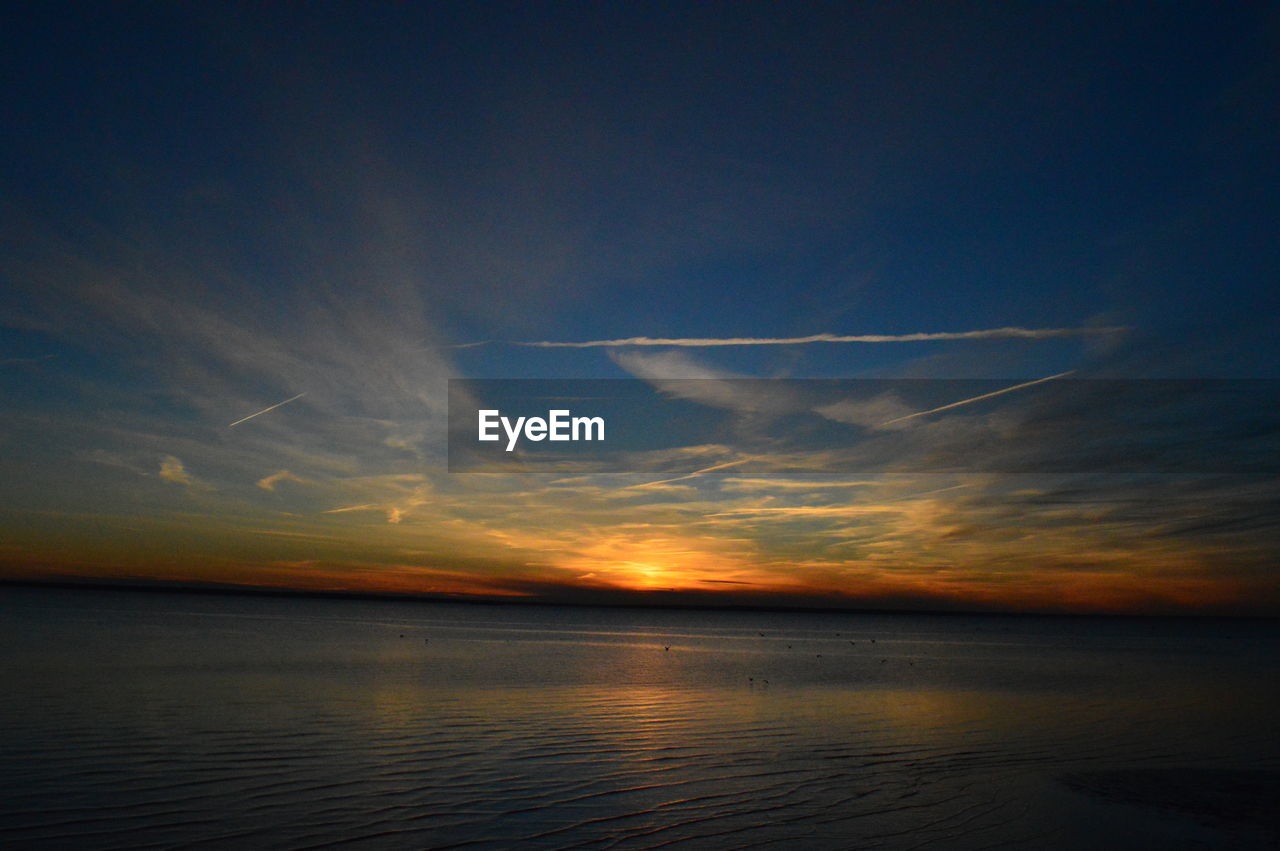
point(210, 207)
point(681, 170)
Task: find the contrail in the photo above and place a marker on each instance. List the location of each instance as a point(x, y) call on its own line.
point(264, 410)
point(698, 342)
point(976, 398)
point(690, 475)
point(365, 507)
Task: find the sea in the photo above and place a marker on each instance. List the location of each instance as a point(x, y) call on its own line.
point(193, 720)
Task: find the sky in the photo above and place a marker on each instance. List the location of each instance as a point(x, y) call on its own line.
point(245, 247)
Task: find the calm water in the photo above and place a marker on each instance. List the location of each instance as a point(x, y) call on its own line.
point(174, 720)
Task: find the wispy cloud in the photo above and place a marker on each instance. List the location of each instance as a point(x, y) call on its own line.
point(269, 483)
point(870, 413)
point(680, 376)
point(173, 470)
point(791, 484)
point(919, 337)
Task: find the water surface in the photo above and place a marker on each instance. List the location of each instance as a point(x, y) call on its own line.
point(186, 720)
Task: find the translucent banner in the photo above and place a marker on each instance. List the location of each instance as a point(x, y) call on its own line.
point(784, 426)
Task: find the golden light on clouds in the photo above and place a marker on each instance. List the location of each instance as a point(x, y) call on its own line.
point(643, 560)
point(893, 540)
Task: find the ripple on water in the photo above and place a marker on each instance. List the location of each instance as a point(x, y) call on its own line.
point(329, 728)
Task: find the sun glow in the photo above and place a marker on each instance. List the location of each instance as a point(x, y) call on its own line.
point(647, 562)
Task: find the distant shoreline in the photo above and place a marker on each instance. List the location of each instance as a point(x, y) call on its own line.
point(221, 589)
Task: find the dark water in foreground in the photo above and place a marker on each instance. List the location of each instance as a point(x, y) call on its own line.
point(173, 720)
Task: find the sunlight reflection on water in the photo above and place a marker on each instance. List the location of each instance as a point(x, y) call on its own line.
point(133, 719)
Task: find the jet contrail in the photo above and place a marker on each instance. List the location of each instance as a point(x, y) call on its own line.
point(264, 410)
point(690, 475)
point(365, 507)
point(976, 398)
point(698, 342)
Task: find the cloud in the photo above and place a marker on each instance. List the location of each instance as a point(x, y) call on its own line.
point(809, 510)
point(172, 470)
point(113, 459)
point(673, 366)
point(737, 484)
point(870, 413)
point(681, 377)
point(1007, 333)
point(269, 483)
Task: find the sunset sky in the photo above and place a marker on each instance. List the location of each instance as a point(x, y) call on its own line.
point(208, 209)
